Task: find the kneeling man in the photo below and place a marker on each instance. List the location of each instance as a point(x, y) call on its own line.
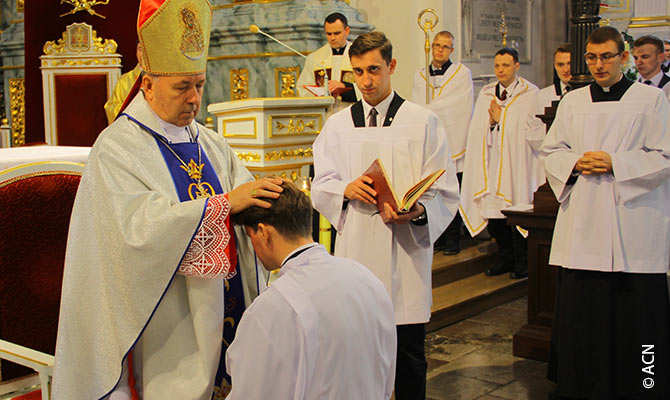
point(325, 326)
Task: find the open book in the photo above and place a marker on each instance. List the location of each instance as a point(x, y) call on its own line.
point(385, 193)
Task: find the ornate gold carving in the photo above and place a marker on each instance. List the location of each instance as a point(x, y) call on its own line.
point(79, 38)
point(84, 5)
point(286, 77)
point(248, 156)
point(291, 125)
point(239, 84)
point(256, 55)
point(56, 63)
point(17, 104)
point(289, 154)
point(19, 5)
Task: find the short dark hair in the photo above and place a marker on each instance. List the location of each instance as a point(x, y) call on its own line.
point(336, 16)
point(666, 41)
point(290, 214)
point(508, 50)
point(564, 48)
point(650, 39)
point(604, 34)
point(370, 41)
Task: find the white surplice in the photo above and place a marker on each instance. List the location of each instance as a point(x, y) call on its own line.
point(414, 146)
point(620, 221)
point(452, 99)
point(128, 234)
point(500, 167)
point(323, 330)
point(324, 57)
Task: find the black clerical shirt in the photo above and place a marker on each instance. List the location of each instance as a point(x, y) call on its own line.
point(440, 71)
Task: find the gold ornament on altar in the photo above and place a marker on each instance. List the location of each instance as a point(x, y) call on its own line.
point(84, 5)
point(427, 23)
point(503, 25)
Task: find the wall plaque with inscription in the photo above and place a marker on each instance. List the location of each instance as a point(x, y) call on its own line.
point(481, 27)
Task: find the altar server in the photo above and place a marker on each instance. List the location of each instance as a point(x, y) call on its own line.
point(500, 167)
point(323, 329)
point(151, 246)
point(607, 159)
point(451, 98)
point(411, 142)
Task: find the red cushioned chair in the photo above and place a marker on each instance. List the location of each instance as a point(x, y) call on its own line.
point(35, 206)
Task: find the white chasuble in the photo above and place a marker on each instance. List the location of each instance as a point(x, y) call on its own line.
point(128, 235)
point(400, 256)
point(500, 167)
point(631, 206)
point(452, 99)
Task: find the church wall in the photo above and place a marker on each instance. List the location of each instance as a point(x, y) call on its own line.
point(398, 19)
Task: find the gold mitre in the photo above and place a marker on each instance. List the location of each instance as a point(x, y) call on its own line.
point(174, 35)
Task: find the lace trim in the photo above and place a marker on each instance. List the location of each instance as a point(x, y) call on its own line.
point(208, 254)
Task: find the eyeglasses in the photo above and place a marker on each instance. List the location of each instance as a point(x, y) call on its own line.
point(437, 46)
point(606, 58)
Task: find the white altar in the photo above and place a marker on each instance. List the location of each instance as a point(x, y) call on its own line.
point(272, 136)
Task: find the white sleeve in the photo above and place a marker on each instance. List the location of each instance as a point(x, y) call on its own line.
point(641, 170)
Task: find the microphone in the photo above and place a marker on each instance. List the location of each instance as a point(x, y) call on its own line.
point(255, 29)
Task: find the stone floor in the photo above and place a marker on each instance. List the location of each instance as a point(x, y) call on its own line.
point(473, 359)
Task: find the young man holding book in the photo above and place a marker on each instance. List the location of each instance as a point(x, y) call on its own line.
point(396, 247)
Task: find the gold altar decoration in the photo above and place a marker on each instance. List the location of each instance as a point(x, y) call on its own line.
point(239, 84)
point(248, 156)
point(285, 80)
point(80, 38)
point(293, 125)
point(427, 24)
point(84, 5)
point(503, 25)
point(289, 154)
point(19, 5)
point(17, 108)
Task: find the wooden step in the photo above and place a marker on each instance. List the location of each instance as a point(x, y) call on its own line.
point(471, 295)
point(475, 256)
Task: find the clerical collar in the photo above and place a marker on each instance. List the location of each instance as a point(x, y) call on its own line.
point(340, 51)
point(295, 253)
point(174, 133)
point(439, 71)
point(509, 89)
point(655, 80)
point(612, 93)
point(382, 108)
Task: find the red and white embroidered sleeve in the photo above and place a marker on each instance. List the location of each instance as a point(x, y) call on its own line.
point(212, 253)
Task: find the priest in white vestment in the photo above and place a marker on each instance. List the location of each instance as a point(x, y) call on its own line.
point(333, 56)
point(500, 167)
point(451, 97)
point(649, 57)
point(397, 248)
point(323, 329)
point(151, 249)
point(607, 159)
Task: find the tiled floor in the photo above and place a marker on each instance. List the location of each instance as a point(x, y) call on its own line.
point(473, 359)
